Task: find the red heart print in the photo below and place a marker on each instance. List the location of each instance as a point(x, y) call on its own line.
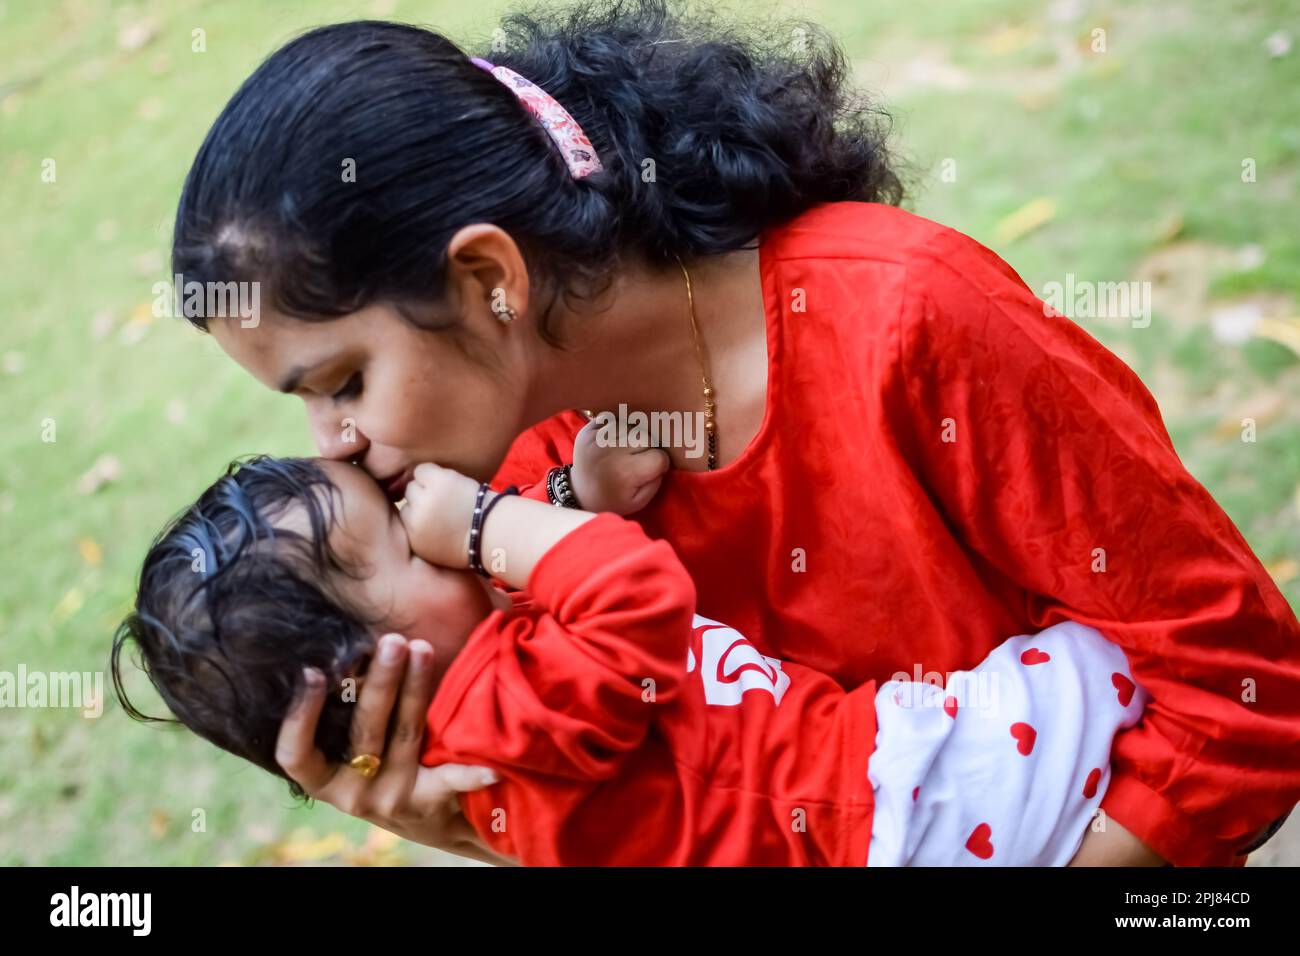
point(979, 843)
point(950, 706)
point(915, 791)
point(1025, 737)
point(1090, 785)
point(1034, 656)
point(1124, 686)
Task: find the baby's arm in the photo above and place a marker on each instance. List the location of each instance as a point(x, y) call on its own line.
point(555, 701)
point(618, 605)
point(618, 478)
point(518, 532)
point(1008, 763)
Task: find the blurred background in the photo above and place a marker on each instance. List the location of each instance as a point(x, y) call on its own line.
point(1107, 141)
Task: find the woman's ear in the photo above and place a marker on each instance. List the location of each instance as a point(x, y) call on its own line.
point(488, 271)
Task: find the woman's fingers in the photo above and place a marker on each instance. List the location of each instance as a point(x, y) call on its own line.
point(412, 707)
point(416, 802)
point(295, 746)
point(375, 703)
point(439, 785)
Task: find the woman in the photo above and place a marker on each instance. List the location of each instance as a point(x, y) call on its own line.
point(910, 459)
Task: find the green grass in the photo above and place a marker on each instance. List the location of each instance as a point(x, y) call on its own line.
point(1154, 128)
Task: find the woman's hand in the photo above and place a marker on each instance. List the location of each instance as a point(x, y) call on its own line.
point(417, 803)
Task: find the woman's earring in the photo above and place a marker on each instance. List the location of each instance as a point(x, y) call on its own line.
point(505, 313)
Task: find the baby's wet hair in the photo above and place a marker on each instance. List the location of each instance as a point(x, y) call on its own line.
point(231, 608)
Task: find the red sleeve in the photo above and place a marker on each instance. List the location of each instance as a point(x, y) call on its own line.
point(622, 606)
point(1050, 459)
point(564, 693)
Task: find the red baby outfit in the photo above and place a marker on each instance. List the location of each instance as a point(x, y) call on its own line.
point(629, 732)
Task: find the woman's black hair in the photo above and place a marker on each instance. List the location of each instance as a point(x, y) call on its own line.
point(231, 608)
point(339, 171)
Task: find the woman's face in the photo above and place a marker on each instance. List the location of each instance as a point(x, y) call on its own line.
point(389, 395)
point(383, 393)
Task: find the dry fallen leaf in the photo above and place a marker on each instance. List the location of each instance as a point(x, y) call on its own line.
point(141, 318)
point(1025, 220)
point(380, 849)
point(1283, 331)
point(101, 323)
point(68, 605)
point(1039, 99)
point(148, 263)
point(158, 823)
point(1282, 571)
point(90, 551)
point(1008, 39)
point(105, 469)
point(301, 848)
point(1169, 228)
point(1263, 408)
point(135, 35)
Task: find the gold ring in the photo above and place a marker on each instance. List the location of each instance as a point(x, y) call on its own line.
point(365, 764)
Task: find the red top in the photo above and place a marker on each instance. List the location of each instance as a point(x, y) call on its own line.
point(942, 464)
point(629, 732)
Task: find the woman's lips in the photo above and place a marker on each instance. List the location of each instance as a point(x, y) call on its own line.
point(395, 487)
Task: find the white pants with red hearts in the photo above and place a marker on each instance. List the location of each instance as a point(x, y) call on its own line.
point(1007, 764)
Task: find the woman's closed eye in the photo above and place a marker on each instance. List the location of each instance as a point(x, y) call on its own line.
point(351, 388)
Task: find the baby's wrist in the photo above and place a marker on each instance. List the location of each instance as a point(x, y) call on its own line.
point(562, 487)
point(485, 502)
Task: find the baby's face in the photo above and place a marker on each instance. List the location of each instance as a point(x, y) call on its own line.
point(409, 596)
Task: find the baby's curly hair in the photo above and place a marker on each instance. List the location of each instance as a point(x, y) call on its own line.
point(231, 609)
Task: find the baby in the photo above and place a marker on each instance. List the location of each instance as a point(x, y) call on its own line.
point(624, 727)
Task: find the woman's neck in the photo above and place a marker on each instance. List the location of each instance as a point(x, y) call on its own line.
point(634, 347)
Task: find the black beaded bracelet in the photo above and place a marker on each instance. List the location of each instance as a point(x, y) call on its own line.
point(476, 523)
point(476, 526)
point(559, 487)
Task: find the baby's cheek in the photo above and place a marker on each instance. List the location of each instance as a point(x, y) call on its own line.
point(443, 606)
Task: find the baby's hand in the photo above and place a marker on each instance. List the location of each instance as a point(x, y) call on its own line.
point(439, 506)
point(615, 478)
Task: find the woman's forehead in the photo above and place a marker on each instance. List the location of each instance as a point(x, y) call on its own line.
point(280, 350)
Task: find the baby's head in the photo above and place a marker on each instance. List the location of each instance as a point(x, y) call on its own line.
point(282, 564)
